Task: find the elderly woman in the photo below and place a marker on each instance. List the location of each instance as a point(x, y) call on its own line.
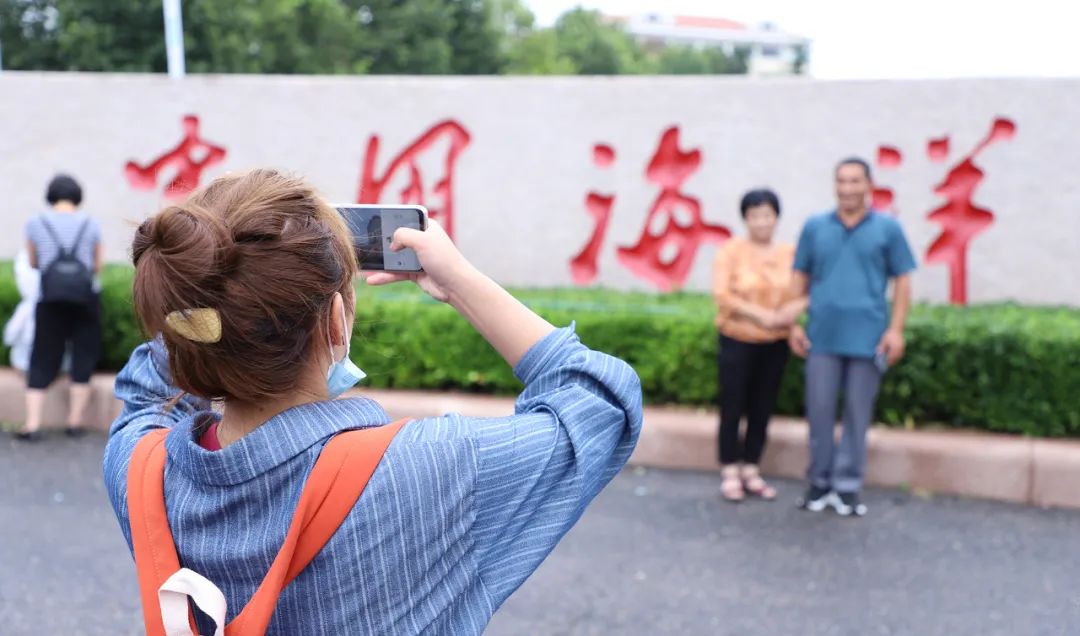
point(751, 283)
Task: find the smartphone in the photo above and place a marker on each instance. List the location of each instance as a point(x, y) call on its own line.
point(881, 361)
point(373, 227)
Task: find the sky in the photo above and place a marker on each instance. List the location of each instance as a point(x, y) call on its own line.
point(898, 39)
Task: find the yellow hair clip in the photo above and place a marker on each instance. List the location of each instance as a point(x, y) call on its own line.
point(198, 325)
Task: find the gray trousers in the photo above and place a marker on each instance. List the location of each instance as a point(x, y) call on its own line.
point(841, 469)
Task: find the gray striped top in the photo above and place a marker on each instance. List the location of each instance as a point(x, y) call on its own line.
point(66, 226)
point(458, 514)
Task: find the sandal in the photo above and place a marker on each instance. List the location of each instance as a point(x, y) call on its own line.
point(731, 489)
point(754, 485)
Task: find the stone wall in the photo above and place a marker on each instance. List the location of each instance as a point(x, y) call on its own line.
point(523, 154)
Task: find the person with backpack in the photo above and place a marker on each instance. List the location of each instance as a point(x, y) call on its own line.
point(64, 245)
point(286, 511)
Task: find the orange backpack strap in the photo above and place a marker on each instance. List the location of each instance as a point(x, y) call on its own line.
point(333, 487)
point(151, 538)
point(335, 484)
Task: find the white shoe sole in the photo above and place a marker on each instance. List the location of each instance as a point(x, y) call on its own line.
point(818, 505)
point(845, 510)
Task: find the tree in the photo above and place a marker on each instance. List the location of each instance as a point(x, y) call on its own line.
point(271, 36)
point(538, 54)
point(684, 60)
point(257, 36)
point(27, 34)
point(476, 38)
point(741, 61)
point(528, 50)
point(89, 35)
point(594, 47)
point(418, 37)
point(404, 37)
point(802, 57)
point(512, 17)
point(423, 37)
point(720, 63)
point(252, 36)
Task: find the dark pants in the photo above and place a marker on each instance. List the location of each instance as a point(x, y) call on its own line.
point(750, 375)
point(55, 325)
point(827, 377)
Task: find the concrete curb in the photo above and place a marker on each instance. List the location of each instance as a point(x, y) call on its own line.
point(1038, 472)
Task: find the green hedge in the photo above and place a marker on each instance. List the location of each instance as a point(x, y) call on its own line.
point(998, 367)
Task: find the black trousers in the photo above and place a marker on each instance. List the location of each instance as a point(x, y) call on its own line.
point(55, 325)
point(750, 375)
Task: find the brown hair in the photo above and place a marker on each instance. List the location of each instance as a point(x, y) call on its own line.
point(267, 253)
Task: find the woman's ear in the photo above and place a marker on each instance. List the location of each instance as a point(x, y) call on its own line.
point(337, 320)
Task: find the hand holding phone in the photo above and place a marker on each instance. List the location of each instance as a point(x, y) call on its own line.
point(889, 350)
point(881, 361)
point(509, 326)
point(445, 271)
point(373, 228)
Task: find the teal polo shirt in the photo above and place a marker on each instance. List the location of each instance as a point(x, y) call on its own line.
point(849, 272)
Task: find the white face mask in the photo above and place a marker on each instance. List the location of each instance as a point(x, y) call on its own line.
point(342, 374)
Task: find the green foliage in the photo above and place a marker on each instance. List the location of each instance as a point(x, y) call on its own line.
point(270, 36)
point(998, 367)
point(686, 60)
point(120, 330)
point(596, 48)
point(9, 299)
point(85, 35)
point(417, 37)
point(802, 57)
point(427, 37)
point(255, 36)
point(538, 53)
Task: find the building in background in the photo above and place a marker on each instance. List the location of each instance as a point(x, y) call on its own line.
point(768, 50)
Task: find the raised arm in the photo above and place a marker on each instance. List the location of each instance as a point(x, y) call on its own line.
point(577, 422)
point(508, 325)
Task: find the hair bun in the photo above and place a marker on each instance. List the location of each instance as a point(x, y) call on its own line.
point(239, 279)
point(188, 231)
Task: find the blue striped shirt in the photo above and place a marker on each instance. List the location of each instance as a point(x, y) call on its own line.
point(458, 514)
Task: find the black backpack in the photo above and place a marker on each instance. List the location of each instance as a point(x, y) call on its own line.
point(67, 279)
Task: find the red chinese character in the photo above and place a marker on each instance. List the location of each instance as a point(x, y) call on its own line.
point(583, 267)
point(669, 241)
point(182, 158)
point(888, 158)
point(371, 187)
point(960, 219)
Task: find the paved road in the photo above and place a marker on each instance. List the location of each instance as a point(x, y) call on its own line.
point(656, 554)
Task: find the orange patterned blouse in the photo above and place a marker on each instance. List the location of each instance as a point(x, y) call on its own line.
point(747, 274)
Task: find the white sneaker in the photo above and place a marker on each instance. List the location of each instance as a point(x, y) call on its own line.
point(848, 504)
point(816, 499)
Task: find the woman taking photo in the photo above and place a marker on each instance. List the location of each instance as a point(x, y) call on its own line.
point(751, 282)
point(250, 285)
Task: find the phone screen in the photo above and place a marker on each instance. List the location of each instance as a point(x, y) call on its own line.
point(373, 228)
